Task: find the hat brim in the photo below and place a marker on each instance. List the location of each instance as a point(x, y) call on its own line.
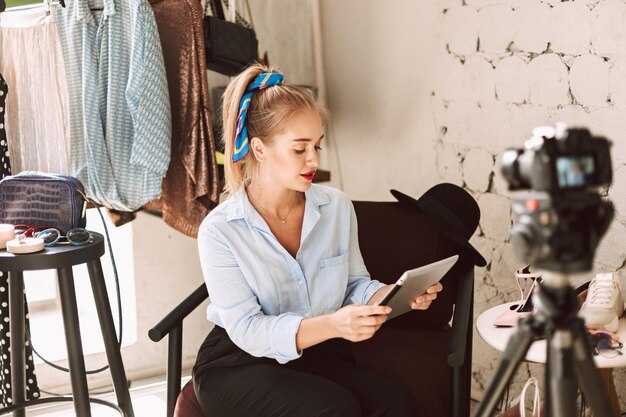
point(473, 254)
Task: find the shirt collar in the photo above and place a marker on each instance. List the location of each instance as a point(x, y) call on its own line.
point(241, 208)
point(83, 11)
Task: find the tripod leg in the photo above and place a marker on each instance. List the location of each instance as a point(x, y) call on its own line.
point(513, 355)
point(588, 376)
point(561, 384)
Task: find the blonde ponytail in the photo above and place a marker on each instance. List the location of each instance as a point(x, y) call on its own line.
point(269, 111)
point(235, 173)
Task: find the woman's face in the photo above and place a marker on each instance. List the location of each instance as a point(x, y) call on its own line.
point(292, 156)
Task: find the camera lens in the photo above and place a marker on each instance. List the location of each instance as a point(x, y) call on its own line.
point(509, 167)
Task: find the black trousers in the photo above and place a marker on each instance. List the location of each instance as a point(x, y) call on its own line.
point(324, 382)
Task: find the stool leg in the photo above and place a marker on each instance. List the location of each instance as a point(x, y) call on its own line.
point(17, 329)
point(78, 377)
point(110, 338)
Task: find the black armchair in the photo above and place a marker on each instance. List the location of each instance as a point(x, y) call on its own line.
point(419, 349)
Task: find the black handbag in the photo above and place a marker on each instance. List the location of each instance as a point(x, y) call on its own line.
point(229, 47)
point(41, 199)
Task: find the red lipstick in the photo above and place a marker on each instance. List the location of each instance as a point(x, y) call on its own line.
point(308, 176)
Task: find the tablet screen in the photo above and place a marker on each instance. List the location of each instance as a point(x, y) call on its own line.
point(414, 283)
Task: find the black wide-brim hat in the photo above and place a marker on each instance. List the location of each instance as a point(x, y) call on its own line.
point(455, 213)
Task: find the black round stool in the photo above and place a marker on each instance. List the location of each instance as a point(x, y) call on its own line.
point(62, 258)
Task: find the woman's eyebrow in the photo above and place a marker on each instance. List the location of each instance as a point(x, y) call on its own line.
point(307, 139)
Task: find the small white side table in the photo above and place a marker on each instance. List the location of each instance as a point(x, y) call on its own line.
point(497, 337)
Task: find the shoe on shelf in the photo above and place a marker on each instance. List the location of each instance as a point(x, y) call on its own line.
point(604, 304)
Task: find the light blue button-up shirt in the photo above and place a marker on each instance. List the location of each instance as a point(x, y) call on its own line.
point(119, 101)
point(259, 292)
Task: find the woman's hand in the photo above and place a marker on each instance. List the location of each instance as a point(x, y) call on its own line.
point(358, 322)
point(423, 301)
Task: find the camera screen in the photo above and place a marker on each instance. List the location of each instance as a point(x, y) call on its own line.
point(574, 171)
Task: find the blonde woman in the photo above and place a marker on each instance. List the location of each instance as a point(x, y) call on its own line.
point(280, 257)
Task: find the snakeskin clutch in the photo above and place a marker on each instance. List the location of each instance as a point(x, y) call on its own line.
point(41, 199)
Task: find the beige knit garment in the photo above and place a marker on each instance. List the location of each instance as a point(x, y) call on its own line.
point(37, 110)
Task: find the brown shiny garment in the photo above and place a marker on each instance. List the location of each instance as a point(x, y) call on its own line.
point(191, 187)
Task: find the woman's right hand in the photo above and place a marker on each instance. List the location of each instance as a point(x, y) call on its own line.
point(359, 322)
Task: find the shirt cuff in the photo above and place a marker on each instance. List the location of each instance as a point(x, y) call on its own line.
point(371, 289)
point(283, 338)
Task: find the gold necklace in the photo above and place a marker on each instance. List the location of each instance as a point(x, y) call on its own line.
point(283, 220)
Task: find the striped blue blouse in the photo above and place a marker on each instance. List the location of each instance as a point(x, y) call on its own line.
point(119, 102)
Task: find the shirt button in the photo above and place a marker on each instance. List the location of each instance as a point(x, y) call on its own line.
point(307, 314)
point(300, 282)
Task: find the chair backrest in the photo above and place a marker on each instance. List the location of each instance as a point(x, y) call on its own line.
point(419, 349)
point(395, 237)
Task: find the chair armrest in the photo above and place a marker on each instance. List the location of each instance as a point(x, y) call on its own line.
point(461, 320)
point(176, 316)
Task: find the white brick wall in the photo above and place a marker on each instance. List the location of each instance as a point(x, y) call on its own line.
point(548, 81)
point(511, 78)
point(564, 40)
point(535, 15)
point(589, 80)
point(461, 22)
point(608, 37)
point(495, 28)
point(512, 65)
point(617, 82)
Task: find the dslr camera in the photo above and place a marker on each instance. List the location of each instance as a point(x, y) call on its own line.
point(559, 222)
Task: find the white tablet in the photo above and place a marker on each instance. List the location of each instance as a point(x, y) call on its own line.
point(414, 283)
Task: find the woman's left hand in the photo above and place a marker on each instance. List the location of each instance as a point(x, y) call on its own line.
point(423, 301)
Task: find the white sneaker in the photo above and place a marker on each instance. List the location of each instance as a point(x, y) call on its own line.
point(604, 304)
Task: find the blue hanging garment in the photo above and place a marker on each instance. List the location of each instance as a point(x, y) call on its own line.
point(119, 101)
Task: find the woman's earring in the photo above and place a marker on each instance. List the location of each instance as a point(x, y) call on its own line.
point(258, 176)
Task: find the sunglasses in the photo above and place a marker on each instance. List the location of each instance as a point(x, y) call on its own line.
point(76, 237)
point(28, 230)
point(605, 344)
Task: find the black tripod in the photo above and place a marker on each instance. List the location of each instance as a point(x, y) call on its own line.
point(569, 362)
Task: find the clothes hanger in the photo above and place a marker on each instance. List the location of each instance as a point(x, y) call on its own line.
point(49, 3)
point(97, 9)
point(46, 3)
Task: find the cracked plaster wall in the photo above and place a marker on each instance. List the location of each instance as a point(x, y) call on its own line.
point(515, 65)
point(425, 92)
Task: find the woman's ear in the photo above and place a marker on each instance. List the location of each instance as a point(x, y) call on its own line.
point(258, 148)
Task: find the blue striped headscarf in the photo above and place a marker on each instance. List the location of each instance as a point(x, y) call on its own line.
point(264, 80)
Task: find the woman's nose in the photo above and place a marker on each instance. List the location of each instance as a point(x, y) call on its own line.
point(313, 160)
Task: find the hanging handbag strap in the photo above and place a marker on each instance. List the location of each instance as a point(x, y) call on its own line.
point(219, 11)
point(247, 3)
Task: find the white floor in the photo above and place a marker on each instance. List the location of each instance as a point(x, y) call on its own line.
point(149, 400)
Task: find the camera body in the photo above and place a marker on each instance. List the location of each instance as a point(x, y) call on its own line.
point(558, 225)
point(559, 232)
point(559, 159)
